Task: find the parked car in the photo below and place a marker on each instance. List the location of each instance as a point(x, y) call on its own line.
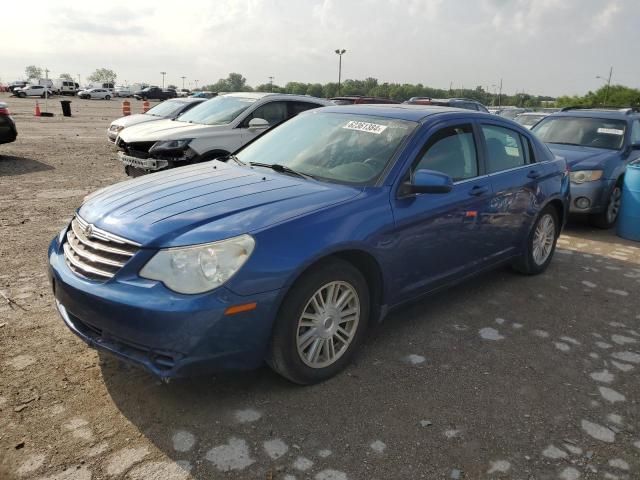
point(183, 92)
point(169, 109)
point(106, 85)
point(8, 130)
point(529, 119)
point(122, 91)
point(154, 93)
point(62, 86)
point(306, 237)
point(17, 84)
point(597, 144)
point(213, 129)
point(95, 94)
point(203, 94)
point(32, 91)
point(465, 103)
point(358, 99)
point(512, 113)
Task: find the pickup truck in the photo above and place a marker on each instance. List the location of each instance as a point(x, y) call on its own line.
point(154, 93)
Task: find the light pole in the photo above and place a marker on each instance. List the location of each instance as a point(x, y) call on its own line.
point(270, 84)
point(606, 93)
point(163, 74)
point(78, 80)
point(340, 52)
point(196, 82)
point(183, 77)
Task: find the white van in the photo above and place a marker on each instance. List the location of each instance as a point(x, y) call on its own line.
point(62, 86)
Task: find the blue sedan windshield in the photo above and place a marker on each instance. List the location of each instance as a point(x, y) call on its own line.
point(337, 147)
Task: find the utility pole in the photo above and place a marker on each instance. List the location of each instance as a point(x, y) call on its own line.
point(270, 84)
point(500, 95)
point(196, 82)
point(79, 84)
point(340, 52)
point(163, 74)
point(46, 89)
point(606, 93)
point(183, 77)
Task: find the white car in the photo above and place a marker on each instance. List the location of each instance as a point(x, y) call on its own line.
point(99, 93)
point(529, 119)
point(183, 92)
point(213, 129)
point(32, 91)
point(122, 91)
point(171, 108)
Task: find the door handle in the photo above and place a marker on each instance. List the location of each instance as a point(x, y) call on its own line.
point(533, 174)
point(478, 190)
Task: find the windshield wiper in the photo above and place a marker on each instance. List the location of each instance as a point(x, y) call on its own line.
point(283, 169)
point(568, 143)
point(236, 159)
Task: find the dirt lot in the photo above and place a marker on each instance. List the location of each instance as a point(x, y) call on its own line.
point(502, 377)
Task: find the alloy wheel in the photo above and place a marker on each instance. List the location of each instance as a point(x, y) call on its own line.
point(613, 208)
point(543, 239)
point(328, 324)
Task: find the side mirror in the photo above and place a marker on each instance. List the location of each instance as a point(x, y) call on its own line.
point(429, 181)
point(258, 124)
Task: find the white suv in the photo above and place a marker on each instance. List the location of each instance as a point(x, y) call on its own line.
point(213, 129)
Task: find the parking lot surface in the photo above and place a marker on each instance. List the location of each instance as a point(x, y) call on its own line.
point(504, 376)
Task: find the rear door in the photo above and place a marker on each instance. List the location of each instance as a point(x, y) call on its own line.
point(515, 178)
point(441, 236)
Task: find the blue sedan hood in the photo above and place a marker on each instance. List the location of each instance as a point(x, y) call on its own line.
point(583, 158)
point(205, 202)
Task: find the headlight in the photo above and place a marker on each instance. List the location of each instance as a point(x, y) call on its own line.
point(199, 268)
point(115, 128)
point(170, 145)
point(582, 176)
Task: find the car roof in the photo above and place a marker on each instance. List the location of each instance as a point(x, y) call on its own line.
point(613, 114)
point(528, 114)
point(401, 111)
point(277, 96)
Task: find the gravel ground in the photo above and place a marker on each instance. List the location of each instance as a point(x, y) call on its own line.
point(504, 376)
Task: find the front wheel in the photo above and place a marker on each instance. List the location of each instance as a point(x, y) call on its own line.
point(608, 217)
point(107, 97)
point(540, 245)
point(321, 323)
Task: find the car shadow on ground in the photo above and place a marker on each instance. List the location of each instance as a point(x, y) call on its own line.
point(444, 326)
point(11, 165)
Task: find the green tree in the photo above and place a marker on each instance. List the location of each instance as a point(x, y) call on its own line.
point(315, 90)
point(32, 72)
point(66, 76)
point(102, 75)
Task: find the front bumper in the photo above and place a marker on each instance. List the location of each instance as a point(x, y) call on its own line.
point(590, 197)
point(152, 164)
point(168, 334)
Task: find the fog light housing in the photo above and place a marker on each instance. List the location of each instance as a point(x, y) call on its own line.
point(582, 203)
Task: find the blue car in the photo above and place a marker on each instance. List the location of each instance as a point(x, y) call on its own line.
point(597, 144)
point(290, 249)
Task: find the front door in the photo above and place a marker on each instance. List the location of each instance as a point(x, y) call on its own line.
point(440, 236)
point(272, 112)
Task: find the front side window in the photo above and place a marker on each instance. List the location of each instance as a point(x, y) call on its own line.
point(218, 111)
point(272, 112)
point(298, 107)
point(505, 148)
point(582, 131)
point(635, 132)
point(451, 151)
point(336, 147)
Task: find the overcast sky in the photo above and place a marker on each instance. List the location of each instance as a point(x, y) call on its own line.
point(550, 47)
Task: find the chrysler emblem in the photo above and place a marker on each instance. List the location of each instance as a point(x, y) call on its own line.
point(88, 231)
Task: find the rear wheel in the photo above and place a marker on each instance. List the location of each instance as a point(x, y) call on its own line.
point(607, 218)
point(321, 323)
point(540, 245)
point(107, 97)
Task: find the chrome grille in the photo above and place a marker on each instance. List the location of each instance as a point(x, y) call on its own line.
point(95, 254)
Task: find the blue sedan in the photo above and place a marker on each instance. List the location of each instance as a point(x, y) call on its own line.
point(290, 249)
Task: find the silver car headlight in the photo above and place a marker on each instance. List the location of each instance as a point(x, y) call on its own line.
point(116, 128)
point(170, 145)
point(582, 176)
point(199, 268)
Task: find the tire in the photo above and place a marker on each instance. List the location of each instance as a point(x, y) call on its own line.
point(107, 97)
point(530, 262)
point(311, 361)
point(22, 95)
point(607, 218)
point(42, 96)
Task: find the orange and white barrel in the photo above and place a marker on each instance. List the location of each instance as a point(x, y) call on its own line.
point(126, 108)
point(145, 106)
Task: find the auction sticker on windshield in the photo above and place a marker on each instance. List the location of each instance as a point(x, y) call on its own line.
point(611, 131)
point(365, 127)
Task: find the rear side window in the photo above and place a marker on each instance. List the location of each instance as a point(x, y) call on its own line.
point(635, 132)
point(452, 151)
point(273, 112)
point(505, 148)
point(298, 107)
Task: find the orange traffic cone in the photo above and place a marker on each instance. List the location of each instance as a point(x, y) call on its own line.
point(37, 114)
